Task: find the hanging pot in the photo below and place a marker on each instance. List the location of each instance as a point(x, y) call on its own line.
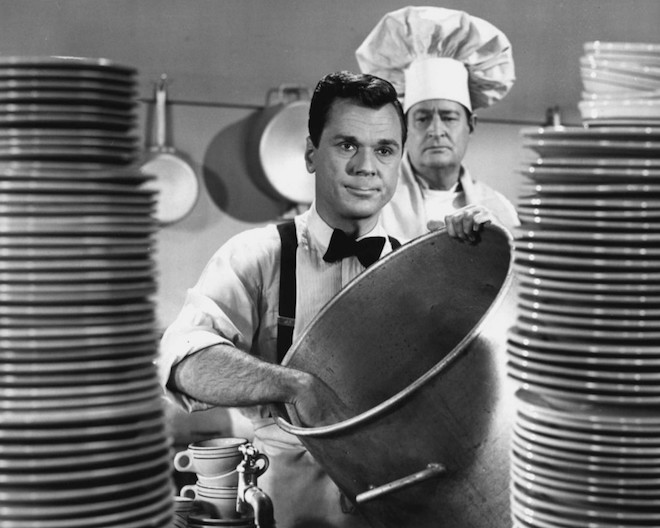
point(416, 347)
point(277, 146)
point(174, 178)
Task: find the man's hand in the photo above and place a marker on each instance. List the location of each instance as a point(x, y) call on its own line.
point(466, 223)
point(316, 404)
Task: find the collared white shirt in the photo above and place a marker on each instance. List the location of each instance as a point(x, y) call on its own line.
point(236, 298)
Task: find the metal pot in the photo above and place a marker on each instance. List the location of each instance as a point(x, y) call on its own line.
point(174, 178)
point(277, 146)
point(416, 346)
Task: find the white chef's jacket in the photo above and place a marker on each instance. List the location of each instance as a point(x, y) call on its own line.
point(236, 301)
point(415, 205)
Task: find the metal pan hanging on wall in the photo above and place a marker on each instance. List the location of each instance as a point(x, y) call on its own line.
point(277, 146)
point(175, 180)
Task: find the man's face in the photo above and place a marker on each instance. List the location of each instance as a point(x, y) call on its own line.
point(356, 164)
point(438, 134)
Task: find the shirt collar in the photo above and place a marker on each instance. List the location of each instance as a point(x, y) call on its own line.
point(319, 232)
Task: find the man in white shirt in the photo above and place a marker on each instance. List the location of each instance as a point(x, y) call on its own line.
point(222, 350)
point(446, 64)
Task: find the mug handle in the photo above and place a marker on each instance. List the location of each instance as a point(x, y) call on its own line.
point(189, 491)
point(183, 461)
point(266, 462)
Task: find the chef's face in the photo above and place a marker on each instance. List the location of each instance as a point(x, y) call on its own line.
point(438, 134)
point(356, 164)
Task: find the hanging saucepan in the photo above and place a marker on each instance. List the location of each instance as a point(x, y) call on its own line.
point(175, 180)
point(277, 146)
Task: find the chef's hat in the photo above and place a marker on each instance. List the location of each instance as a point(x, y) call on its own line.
point(438, 53)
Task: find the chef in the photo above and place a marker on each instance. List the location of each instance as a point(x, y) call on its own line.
point(447, 64)
point(225, 346)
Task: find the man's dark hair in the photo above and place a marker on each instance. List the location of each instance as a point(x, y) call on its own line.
point(362, 89)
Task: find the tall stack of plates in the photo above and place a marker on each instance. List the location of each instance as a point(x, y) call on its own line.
point(585, 348)
point(82, 433)
point(621, 83)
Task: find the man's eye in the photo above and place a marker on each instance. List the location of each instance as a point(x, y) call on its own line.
point(348, 147)
point(385, 151)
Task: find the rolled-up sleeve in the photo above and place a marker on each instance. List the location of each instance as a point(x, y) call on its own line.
point(226, 306)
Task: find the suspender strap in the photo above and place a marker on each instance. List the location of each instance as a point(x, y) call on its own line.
point(287, 306)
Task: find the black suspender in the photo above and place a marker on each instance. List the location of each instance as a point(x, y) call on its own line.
point(287, 304)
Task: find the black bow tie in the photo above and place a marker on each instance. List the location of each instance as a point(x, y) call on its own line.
point(367, 250)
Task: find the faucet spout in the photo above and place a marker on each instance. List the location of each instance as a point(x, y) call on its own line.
point(262, 507)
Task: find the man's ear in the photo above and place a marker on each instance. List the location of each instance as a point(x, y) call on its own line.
point(472, 122)
point(310, 152)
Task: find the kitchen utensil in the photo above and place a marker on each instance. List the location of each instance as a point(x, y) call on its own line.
point(175, 179)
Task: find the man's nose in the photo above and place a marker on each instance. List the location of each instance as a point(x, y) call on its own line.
point(436, 127)
point(364, 162)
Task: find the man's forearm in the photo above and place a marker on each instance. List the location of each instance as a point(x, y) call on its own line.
point(223, 375)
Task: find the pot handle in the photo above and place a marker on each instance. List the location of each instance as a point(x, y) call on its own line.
point(287, 93)
point(432, 470)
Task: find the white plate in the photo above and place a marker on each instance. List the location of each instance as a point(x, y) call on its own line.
point(138, 348)
point(580, 432)
point(582, 391)
point(598, 161)
point(593, 213)
point(29, 512)
point(569, 175)
point(572, 282)
point(591, 372)
point(48, 278)
point(603, 133)
point(133, 389)
point(585, 449)
point(627, 316)
point(76, 405)
point(540, 486)
point(568, 248)
point(596, 147)
point(588, 334)
point(644, 109)
point(618, 300)
point(622, 122)
point(79, 367)
point(602, 205)
point(93, 416)
point(64, 241)
point(582, 465)
point(579, 262)
point(594, 417)
point(80, 341)
point(580, 361)
point(25, 321)
point(73, 461)
point(553, 235)
point(59, 209)
point(155, 513)
point(539, 312)
point(589, 224)
point(595, 191)
point(53, 380)
point(70, 252)
point(67, 494)
point(563, 344)
point(140, 418)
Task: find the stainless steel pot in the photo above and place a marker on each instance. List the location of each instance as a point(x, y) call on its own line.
point(277, 146)
point(416, 346)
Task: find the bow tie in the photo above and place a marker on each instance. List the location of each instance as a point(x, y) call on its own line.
point(367, 250)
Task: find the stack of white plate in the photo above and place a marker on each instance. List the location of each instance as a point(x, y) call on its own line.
point(621, 83)
point(585, 348)
point(83, 441)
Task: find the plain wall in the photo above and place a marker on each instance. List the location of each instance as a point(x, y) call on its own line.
point(223, 56)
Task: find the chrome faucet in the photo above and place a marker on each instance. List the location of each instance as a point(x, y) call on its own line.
point(249, 494)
